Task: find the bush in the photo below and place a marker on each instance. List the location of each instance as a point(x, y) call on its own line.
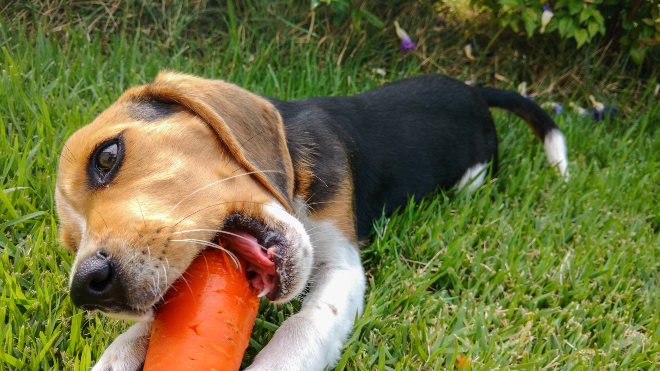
point(633, 25)
point(585, 21)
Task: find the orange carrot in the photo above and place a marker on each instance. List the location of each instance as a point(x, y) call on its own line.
point(205, 321)
point(463, 362)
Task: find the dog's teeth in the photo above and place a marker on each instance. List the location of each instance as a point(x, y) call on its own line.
point(263, 293)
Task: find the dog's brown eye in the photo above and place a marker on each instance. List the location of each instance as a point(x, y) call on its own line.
point(104, 163)
point(107, 157)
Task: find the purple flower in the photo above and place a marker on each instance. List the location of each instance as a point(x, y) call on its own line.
point(441, 23)
point(546, 17)
point(406, 41)
point(599, 111)
point(601, 115)
point(556, 107)
point(407, 45)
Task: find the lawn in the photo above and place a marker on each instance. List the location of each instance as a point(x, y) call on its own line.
point(528, 272)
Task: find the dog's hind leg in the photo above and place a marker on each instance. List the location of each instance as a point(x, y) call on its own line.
point(473, 177)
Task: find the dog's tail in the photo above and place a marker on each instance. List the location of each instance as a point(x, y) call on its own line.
point(545, 128)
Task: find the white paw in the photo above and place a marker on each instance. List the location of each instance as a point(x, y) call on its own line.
point(301, 344)
point(128, 351)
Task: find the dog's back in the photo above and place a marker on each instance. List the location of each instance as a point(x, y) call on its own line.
point(402, 139)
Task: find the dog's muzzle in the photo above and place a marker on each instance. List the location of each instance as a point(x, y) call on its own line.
point(97, 284)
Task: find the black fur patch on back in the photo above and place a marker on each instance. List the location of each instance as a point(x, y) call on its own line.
point(402, 139)
point(151, 111)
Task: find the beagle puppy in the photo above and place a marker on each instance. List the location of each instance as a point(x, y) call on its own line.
point(177, 165)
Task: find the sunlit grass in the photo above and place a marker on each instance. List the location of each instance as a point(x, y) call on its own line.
point(528, 272)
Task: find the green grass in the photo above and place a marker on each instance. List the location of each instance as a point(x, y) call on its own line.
point(529, 272)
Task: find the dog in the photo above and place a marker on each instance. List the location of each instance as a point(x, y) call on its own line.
point(182, 163)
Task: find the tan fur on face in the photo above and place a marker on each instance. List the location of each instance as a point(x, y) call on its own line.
point(249, 126)
point(136, 218)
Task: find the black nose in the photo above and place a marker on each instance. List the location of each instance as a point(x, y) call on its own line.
point(97, 284)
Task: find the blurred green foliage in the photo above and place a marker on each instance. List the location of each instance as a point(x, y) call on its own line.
point(344, 9)
point(632, 24)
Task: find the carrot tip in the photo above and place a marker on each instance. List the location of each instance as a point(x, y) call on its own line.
point(206, 321)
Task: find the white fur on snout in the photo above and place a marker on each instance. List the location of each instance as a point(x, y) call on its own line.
point(300, 248)
point(128, 351)
point(145, 277)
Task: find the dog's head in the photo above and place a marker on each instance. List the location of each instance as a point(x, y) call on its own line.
point(170, 169)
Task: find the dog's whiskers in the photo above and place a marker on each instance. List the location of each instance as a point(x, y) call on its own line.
point(158, 290)
point(154, 290)
point(67, 158)
point(214, 183)
point(67, 148)
point(181, 277)
point(125, 262)
point(243, 144)
point(223, 203)
point(214, 245)
point(269, 160)
point(224, 232)
point(165, 274)
point(140, 206)
point(102, 218)
point(328, 202)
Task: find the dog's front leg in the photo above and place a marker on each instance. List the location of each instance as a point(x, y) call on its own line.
point(313, 338)
point(128, 351)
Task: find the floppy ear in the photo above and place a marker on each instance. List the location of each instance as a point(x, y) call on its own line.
point(249, 125)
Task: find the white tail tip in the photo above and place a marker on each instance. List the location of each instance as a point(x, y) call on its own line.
point(555, 148)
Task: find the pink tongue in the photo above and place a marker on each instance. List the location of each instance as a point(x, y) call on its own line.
point(260, 268)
